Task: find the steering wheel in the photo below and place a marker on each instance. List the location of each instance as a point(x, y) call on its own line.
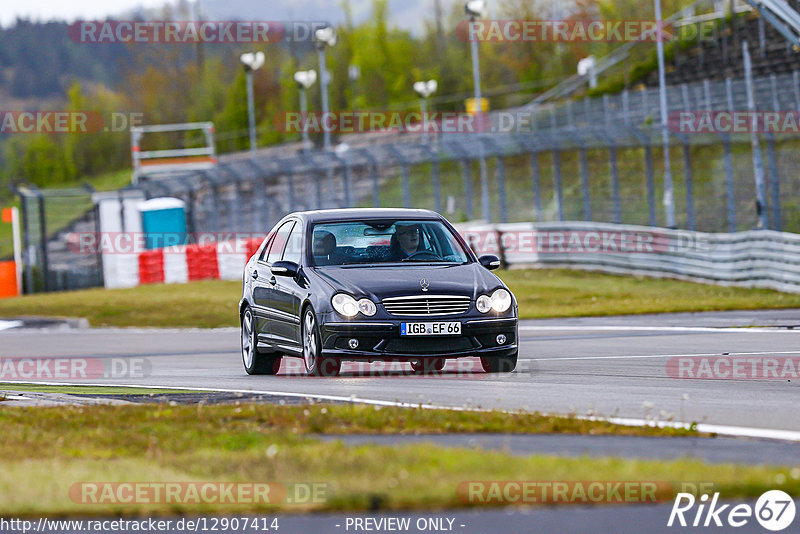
point(420, 253)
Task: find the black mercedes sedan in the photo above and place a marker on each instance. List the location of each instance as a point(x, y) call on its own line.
point(373, 285)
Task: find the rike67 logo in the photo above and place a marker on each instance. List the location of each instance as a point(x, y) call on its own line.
point(774, 510)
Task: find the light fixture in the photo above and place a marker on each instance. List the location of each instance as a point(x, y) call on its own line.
point(305, 78)
point(475, 9)
point(252, 60)
point(426, 89)
point(325, 36)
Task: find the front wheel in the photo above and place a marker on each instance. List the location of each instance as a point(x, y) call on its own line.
point(499, 364)
point(316, 363)
point(255, 362)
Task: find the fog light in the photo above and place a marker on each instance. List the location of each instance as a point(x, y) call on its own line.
point(353, 343)
point(501, 339)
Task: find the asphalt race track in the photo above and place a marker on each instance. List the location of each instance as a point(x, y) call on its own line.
point(609, 367)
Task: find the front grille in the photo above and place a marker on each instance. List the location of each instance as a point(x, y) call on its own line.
point(425, 305)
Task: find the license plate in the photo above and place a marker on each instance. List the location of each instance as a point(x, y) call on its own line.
point(430, 329)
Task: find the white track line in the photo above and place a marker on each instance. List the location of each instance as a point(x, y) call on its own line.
point(643, 356)
point(723, 430)
point(610, 328)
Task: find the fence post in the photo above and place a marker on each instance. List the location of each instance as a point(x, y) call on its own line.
point(537, 189)
point(796, 88)
point(651, 186)
point(191, 223)
point(43, 239)
point(501, 188)
point(557, 183)
point(687, 169)
point(774, 177)
point(404, 172)
point(626, 106)
point(437, 188)
point(612, 153)
point(234, 205)
point(726, 145)
point(775, 186)
point(587, 201)
point(376, 194)
point(758, 163)
point(261, 220)
point(215, 199)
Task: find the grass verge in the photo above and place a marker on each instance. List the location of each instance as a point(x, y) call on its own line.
point(50, 456)
point(541, 293)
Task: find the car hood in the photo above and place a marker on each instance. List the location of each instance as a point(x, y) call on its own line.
point(379, 282)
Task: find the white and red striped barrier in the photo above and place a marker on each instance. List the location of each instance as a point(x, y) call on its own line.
point(223, 260)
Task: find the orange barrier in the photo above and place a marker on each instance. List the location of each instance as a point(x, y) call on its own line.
point(8, 279)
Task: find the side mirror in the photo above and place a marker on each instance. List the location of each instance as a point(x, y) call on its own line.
point(490, 262)
point(285, 268)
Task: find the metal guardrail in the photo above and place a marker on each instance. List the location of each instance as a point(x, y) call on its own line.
point(755, 258)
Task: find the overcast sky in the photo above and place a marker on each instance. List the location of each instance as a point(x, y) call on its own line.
point(44, 10)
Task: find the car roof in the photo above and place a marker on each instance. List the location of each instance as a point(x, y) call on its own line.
point(356, 214)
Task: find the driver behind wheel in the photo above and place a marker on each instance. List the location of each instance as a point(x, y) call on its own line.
point(407, 240)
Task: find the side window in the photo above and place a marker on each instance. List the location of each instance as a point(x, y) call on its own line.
point(263, 255)
point(278, 242)
point(294, 245)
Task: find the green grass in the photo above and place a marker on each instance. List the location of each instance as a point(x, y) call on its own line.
point(47, 451)
point(541, 293)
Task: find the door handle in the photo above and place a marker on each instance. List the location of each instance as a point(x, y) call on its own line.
point(273, 281)
point(255, 275)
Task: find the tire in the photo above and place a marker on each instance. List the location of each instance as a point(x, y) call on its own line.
point(428, 365)
point(316, 364)
point(499, 364)
point(255, 362)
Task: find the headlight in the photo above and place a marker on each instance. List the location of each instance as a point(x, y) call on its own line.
point(345, 305)
point(484, 304)
point(367, 307)
point(501, 300)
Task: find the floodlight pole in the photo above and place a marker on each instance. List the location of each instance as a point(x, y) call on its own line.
point(476, 80)
point(251, 111)
point(304, 115)
point(669, 203)
point(323, 74)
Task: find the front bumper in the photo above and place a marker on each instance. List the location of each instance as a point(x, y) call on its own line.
point(381, 339)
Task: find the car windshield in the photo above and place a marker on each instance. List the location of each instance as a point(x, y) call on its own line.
point(385, 241)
